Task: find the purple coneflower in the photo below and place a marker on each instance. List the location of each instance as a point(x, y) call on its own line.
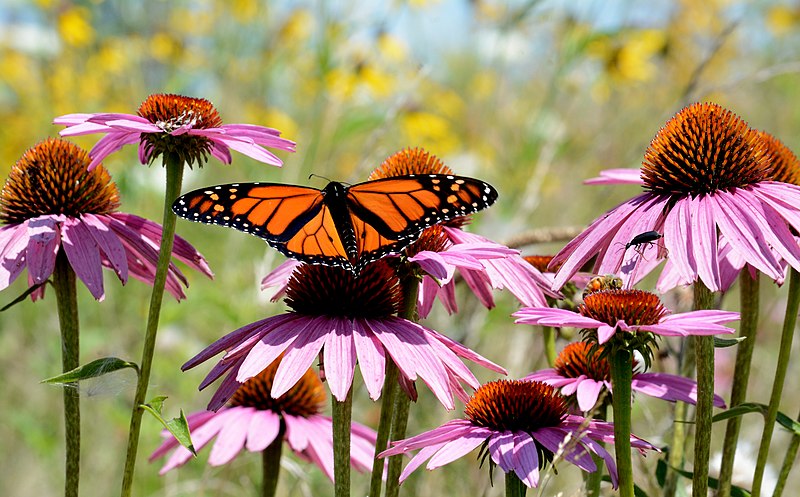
point(631, 312)
point(709, 179)
point(52, 202)
point(520, 426)
point(584, 374)
point(253, 420)
point(344, 319)
point(166, 123)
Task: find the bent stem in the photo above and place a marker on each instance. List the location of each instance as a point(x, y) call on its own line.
point(514, 486)
point(780, 375)
point(271, 466)
point(391, 388)
point(67, 303)
point(342, 415)
point(174, 168)
point(704, 352)
point(749, 299)
point(621, 363)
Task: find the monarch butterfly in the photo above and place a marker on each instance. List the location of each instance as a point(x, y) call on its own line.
point(344, 226)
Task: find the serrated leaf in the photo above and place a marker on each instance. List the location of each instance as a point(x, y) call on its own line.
point(93, 369)
point(179, 427)
point(721, 343)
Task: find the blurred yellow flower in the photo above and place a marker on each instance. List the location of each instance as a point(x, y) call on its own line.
point(163, 47)
point(391, 48)
point(297, 27)
point(429, 131)
point(379, 82)
point(483, 84)
point(244, 11)
point(74, 26)
point(781, 19)
point(111, 57)
point(194, 21)
point(635, 58)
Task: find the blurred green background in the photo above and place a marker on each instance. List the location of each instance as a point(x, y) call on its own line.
point(532, 96)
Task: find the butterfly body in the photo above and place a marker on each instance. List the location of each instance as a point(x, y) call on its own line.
point(340, 225)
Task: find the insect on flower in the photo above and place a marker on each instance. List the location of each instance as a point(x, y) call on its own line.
point(340, 225)
point(602, 283)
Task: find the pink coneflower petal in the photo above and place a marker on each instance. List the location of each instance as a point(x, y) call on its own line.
point(371, 358)
point(84, 255)
point(526, 459)
point(547, 316)
point(13, 242)
point(616, 177)
point(669, 387)
point(455, 449)
point(43, 242)
point(299, 356)
point(110, 245)
point(263, 429)
point(231, 438)
point(340, 359)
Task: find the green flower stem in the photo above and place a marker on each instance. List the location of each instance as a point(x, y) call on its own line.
point(680, 429)
point(549, 336)
point(391, 387)
point(514, 486)
point(594, 479)
point(704, 353)
point(342, 415)
point(399, 423)
point(271, 466)
point(780, 375)
point(174, 168)
point(749, 298)
point(410, 289)
point(621, 363)
point(788, 464)
point(67, 303)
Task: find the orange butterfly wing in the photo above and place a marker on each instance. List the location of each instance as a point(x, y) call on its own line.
point(293, 219)
point(340, 226)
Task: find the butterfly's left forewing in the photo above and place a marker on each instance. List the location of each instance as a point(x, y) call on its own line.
point(271, 211)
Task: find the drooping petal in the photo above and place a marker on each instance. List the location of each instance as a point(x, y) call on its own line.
point(501, 450)
point(262, 431)
point(454, 449)
point(339, 355)
point(231, 438)
point(272, 344)
point(670, 387)
point(13, 244)
point(587, 393)
point(300, 355)
point(109, 244)
point(371, 358)
point(526, 459)
point(83, 254)
point(43, 243)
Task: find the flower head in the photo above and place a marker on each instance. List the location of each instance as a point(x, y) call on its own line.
point(634, 315)
point(173, 124)
point(254, 419)
point(709, 181)
point(521, 426)
point(343, 318)
point(52, 202)
point(580, 372)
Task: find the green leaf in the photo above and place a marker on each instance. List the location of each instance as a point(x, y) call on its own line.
point(93, 369)
point(788, 423)
point(179, 427)
point(740, 410)
point(23, 296)
point(721, 343)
